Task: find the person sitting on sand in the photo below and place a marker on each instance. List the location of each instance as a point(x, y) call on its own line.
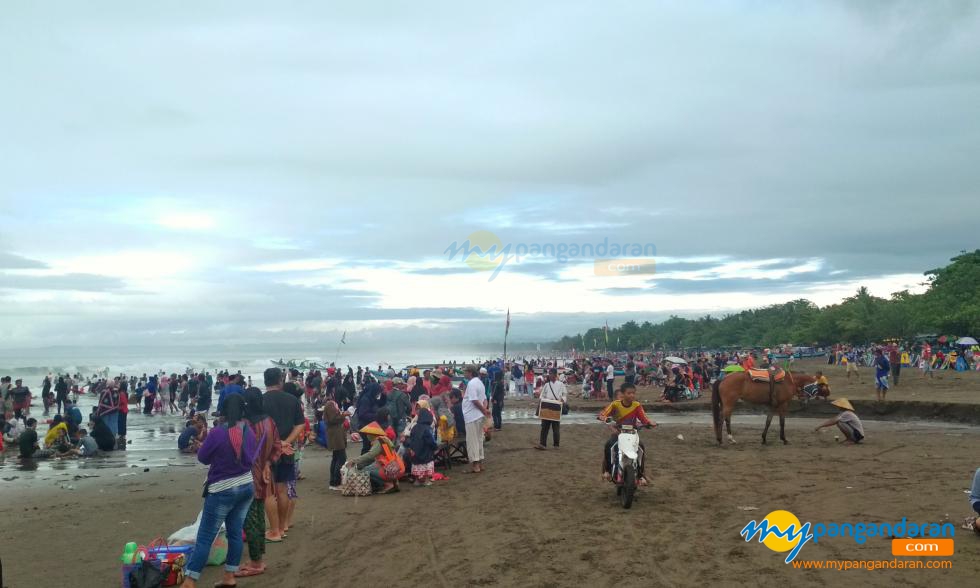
point(87, 446)
point(973, 523)
point(13, 429)
point(848, 422)
point(369, 461)
point(188, 441)
point(28, 440)
point(57, 434)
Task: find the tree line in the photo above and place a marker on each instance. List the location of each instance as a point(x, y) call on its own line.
point(950, 305)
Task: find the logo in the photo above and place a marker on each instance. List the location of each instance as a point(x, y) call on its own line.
point(782, 532)
point(485, 251)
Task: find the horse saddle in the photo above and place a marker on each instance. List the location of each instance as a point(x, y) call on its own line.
point(762, 375)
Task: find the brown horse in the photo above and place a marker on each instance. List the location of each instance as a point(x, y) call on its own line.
point(727, 391)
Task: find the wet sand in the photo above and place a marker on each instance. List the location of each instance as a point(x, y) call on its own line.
point(539, 518)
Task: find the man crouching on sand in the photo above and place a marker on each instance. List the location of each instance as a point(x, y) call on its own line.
point(846, 421)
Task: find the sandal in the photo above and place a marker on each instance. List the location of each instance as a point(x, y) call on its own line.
point(248, 572)
point(971, 524)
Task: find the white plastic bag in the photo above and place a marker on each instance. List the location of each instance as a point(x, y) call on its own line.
point(188, 535)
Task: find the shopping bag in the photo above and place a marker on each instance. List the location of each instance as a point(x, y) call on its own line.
point(354, 482)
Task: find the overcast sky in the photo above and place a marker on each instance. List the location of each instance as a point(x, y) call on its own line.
point(286, 171)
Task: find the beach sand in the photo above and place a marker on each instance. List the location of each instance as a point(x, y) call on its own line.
point(539, 518)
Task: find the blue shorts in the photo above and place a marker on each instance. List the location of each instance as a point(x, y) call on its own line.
point(881, 382)
point(284, 470)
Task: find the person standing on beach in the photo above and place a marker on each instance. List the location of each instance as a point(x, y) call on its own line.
point(497, 400)
point(474, 411)
point(399, 406)
point(555, 392)
point(108, 408)
point(229, 451)
point(174, 384)
point(22, 399)
point(336, 441)
point(204, 390)
point(61, 393)
point(266, 432)
point(926, 360)
point(123, 414)
point(881, 374)
point(287, 412)
point(610, 378)
point(896, 364)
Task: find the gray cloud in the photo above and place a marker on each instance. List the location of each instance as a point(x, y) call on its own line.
point(81, 282)
point(14, 261)
point(841, 131)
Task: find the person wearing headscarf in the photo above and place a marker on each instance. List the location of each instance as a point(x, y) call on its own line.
point(445, 385)
point(264, 429)
point(370, 400)
point(229, 451)
point(399, 406)
point(334, 419)
point(349, 391)
point(423, 444)
point(416, 389)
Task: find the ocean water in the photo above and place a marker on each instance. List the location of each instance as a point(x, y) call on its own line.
point(32, 365)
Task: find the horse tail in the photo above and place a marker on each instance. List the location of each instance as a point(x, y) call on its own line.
point(716, 408)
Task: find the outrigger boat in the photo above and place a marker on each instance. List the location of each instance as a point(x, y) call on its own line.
point(303, 364)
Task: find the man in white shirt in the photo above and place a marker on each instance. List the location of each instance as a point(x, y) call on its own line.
point(553, 391)
point(610, 378)
point(474, 411)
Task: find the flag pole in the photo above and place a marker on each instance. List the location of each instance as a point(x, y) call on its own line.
point(342, 342)
point(506, 332)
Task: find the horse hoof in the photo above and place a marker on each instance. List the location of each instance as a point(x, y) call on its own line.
point(731, 440)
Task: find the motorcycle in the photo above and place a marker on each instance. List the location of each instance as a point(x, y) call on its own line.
point(626, 459)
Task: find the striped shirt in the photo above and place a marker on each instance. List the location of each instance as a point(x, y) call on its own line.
point(229, 483)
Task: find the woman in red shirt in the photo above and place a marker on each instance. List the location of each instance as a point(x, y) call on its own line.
point(123, 413)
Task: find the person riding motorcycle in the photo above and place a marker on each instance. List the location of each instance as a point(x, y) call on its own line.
point(625, 410)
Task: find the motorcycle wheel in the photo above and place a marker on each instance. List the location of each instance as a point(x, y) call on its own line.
point(629, 485)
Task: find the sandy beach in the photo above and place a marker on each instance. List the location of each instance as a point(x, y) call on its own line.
point(536, 518)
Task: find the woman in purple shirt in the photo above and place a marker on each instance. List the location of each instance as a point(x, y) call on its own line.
point(229, 449)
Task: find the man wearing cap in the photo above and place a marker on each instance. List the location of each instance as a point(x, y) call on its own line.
point(848, 422)
point(474, 411)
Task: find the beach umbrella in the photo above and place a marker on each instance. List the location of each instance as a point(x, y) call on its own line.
point(728, 369)
point(673, 359)
point(966, 341)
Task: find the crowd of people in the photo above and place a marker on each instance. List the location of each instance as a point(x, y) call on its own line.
point(254, 447)
point(401, 424)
